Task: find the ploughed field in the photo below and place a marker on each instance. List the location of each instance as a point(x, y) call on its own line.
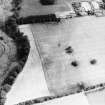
point(72, 52)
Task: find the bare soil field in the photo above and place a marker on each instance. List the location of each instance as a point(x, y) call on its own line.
point(86, 37)
point(33, 7)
